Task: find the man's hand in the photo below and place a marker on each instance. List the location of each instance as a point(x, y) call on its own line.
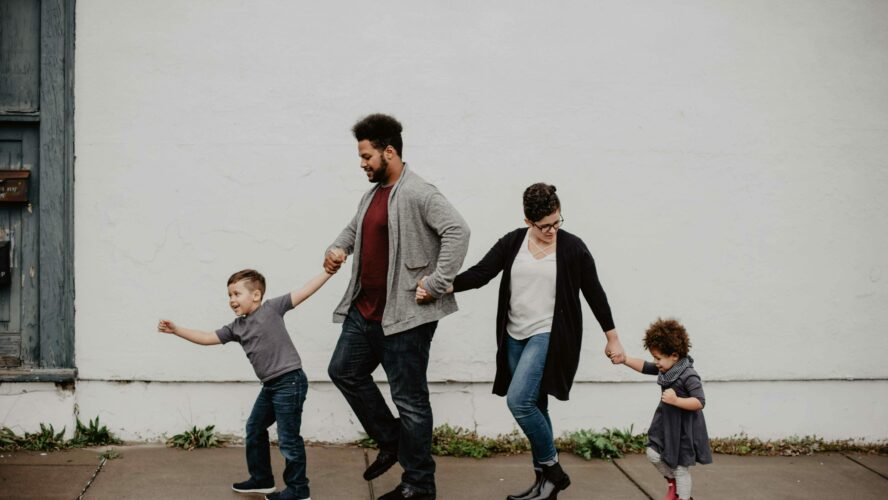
point(166, 326)
point(333, 260)
point(669, 397)
point(422, 295)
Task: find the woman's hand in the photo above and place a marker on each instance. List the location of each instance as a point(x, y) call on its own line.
point(614, 349)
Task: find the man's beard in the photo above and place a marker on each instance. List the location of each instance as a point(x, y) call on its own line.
point(381, 174)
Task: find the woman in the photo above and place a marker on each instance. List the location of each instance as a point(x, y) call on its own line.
point(539, 323)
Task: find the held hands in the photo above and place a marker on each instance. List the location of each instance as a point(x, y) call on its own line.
point(333, 260)
point(669, 397)
point(614, 351)
point(422, 294)
point(166, 326)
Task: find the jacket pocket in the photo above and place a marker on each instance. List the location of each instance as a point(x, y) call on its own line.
point(415, 271)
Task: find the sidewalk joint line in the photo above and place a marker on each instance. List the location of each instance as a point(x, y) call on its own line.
point(93, 478)
point(632, 480)
point(369, 483)
point(883, 476)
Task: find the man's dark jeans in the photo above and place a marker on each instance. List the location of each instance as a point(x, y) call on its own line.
point(281, 400)
point(404, 356)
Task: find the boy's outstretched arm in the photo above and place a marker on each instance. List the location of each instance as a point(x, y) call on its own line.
point(196, 336)
point(634, 363)
point(298, 296)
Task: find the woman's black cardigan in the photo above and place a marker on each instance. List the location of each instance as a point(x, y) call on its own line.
point(575, 272)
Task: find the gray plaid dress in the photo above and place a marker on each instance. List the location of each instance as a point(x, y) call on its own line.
point(680, 436)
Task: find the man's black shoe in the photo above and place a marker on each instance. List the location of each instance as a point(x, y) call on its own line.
point(384, 461)
point(284, 495)
point(252, 486)
point(405, 492)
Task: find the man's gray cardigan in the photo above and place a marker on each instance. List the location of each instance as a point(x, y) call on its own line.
point(427, 237)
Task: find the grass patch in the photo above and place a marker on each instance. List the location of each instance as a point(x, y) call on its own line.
point(8, 439)
point(460, 442)
point(616, 443)
point(111, 454)
point(741, 444)
point(366, 442)
point(92, 434)
point(47, 439)
point(607, 444)
point(196, 438)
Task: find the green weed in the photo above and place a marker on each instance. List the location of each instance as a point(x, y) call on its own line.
point(111, 454)
point(607, 444)
point(92, 435)
point(45, 440)
point(196, 438)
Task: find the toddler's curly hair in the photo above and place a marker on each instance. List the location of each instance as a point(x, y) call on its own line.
point(667, 336)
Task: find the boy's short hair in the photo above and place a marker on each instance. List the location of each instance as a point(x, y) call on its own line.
point(253, 278)
point(667, 336)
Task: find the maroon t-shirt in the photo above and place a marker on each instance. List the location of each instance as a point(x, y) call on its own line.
point(374, 256)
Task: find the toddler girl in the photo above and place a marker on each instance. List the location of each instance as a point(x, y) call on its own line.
point(677, 437)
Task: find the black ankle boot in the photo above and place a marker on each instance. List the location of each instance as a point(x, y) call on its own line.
point(531, 492)
point(554, 480)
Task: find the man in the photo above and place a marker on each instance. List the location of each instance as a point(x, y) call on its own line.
point(404, 230)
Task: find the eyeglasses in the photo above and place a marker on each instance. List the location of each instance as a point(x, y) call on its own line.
point(547, 227)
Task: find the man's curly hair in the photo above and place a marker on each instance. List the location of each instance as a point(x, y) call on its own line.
point(540, 200)
point(381, 130)
point(667, 336)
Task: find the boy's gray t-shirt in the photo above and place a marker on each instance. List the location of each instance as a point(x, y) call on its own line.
point(265, 339)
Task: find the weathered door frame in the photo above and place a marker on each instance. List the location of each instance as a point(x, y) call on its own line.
point(55, 120)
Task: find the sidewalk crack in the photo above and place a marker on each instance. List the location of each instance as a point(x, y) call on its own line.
point(883, 476)
point(93, 478)
point(369, 483)
point(632, 480)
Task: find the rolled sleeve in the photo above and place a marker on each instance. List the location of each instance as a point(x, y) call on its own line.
point(450, 226)
point(226, 335)
point(694, 387)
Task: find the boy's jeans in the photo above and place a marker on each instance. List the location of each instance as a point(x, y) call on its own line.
point(527, 360)
point(404, 356)
point(281, 400)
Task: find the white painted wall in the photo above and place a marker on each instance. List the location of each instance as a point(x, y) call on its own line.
point(726, 162)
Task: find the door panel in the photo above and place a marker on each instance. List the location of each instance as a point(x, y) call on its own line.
point(20, 56)
point(18, 225)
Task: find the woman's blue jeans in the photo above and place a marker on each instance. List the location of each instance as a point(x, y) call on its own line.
point(530, 407)
point(281, 400)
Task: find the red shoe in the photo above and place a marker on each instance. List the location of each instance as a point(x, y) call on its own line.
point(670, 492)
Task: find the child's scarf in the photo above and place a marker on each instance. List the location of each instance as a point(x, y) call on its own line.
point(666, 378)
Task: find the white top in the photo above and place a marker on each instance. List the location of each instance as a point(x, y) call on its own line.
point(532, 302)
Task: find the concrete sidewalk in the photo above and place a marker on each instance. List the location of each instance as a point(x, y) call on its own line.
point(154, 472)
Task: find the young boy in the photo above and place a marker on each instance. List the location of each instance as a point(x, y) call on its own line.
point(259, 329)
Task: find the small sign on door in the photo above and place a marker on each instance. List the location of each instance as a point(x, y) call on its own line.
point(14, 186)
